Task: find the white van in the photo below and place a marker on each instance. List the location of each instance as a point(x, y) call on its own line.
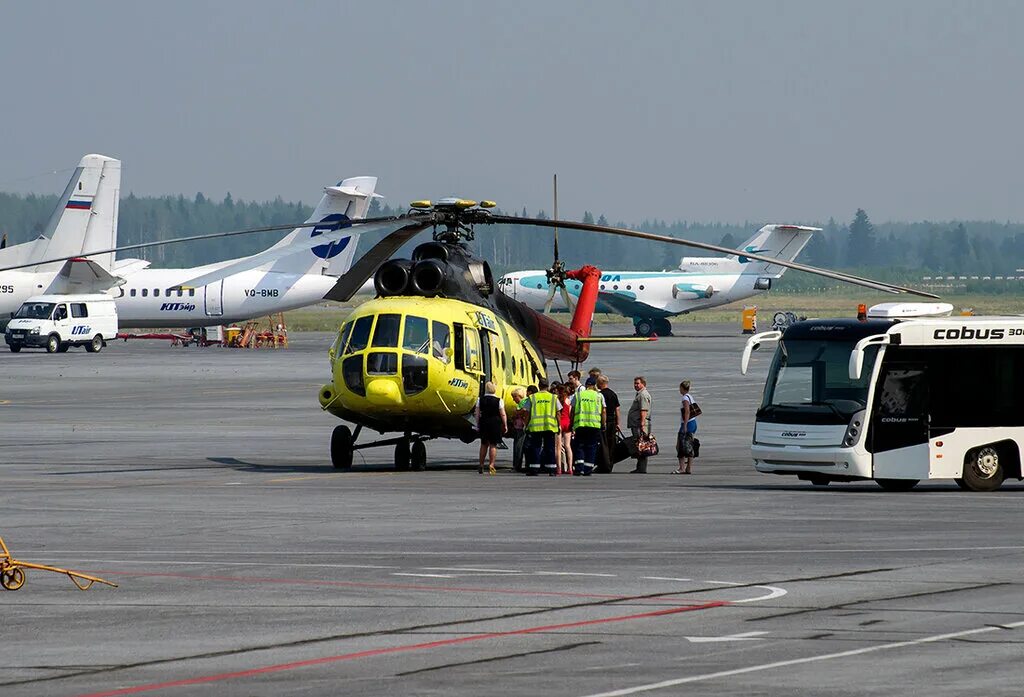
point(58, 322)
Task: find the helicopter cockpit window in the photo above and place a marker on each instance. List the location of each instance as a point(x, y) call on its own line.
point(342, 339)
point(417, 334)
point(386, 333)
point(442, 341)
point(414, 374)
point(360, 334)
point(381, 363)
point(352, 372)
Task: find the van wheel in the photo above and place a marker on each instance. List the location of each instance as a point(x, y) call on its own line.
point(982, 469)
point(897, 484)
point(95, 345)
point(15, 348)
point(53, 344)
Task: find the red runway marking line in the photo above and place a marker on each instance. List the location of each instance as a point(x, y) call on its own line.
point(376, 586)
point(369, 653)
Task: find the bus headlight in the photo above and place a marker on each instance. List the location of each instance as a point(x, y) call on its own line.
point(853, 430)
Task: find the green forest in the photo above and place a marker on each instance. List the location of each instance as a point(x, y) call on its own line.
point(896, 251)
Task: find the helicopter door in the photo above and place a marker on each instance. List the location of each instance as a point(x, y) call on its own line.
point(485, 355)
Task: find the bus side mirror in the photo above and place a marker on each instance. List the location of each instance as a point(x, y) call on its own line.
point(753, 344)
point(857, 355)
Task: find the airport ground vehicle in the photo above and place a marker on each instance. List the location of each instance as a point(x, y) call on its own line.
point(897, 398)
point(58, 322)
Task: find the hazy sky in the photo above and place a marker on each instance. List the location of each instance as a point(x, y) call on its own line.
point(730, 111)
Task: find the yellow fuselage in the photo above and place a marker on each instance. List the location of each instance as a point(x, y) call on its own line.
point(414, 364)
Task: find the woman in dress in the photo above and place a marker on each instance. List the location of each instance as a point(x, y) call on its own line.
point(491, 423)
point(563, 444)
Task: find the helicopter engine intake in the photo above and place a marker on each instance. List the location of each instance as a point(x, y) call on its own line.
point(392, 278)
point(428, 277)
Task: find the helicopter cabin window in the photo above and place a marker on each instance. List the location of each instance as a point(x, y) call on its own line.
point(414, 374)
point(352, 372)
point(360, 335)
point(442, 341)
point(381, 363)
point(469, 359)
point(386, 333)
point(417, 334)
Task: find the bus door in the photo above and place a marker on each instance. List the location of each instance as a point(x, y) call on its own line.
point(898, 436)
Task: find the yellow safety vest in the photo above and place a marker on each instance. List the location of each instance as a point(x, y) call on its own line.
point(543, 413)
point(586, 412)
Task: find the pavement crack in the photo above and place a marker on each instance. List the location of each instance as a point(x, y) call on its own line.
point(565, 647)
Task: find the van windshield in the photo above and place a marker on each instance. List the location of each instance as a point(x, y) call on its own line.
point(34, 311)
point(809, 383)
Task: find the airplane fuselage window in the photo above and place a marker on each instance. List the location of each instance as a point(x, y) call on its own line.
point(145, 292)
point(133, 292)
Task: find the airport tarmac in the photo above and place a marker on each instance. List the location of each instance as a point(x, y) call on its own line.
point(199, 480)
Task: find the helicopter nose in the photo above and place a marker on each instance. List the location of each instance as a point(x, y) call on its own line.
point(383, 392)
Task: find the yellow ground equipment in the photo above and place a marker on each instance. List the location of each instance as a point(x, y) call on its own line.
point(12, 572)
point(750, 320)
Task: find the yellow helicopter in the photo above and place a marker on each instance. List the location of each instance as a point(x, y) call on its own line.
point(413, 360)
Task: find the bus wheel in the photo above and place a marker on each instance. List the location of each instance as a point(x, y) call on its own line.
point(982, 469)
point(897, 484)
point(341, 448)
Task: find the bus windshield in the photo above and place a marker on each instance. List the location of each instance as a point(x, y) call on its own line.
point(34, 311)
point(809, 383)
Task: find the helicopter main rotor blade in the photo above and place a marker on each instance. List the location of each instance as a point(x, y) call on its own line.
point(210, 236)
point(836, 275)
point(350, 282)
point(551, 297)
point(569, 304)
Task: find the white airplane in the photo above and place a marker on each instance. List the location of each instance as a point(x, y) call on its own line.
point(650, 298)
point(297, 271)
point(85, 219)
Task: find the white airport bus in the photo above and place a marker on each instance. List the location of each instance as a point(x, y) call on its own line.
point(898, 397)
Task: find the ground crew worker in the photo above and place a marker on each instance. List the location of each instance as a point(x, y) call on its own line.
point(542, 427)
point(588, 419)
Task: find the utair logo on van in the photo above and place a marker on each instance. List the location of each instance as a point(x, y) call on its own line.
point(177, 307)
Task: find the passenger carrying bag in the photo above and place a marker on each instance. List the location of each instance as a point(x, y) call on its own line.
point(695, 410)
point(619, 450)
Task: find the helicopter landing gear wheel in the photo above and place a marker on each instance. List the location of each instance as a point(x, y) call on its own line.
point(402, 455)
point(418, 456)
point(13, 578)
point(342, 444)
point(663, 327)
point(644, 327)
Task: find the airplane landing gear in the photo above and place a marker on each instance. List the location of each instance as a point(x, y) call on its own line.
point(643, 326)
point(663, 327)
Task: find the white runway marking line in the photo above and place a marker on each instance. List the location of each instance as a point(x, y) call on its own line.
point(572, 573)
point(664, 578)
point(745, 636)
point(424, 575)
point(807, 659)
point(472, 570)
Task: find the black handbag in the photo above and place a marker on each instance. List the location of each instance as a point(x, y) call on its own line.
point(619, 450)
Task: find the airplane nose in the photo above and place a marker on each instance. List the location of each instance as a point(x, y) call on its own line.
point(383, 392)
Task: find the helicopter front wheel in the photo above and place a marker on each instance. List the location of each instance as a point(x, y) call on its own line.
point(402, 454)
point(419, 456)
point(342, 444)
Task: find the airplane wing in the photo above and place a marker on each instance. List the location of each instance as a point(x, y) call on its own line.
point(85, 275)
point(630, 306)
point(298, 246)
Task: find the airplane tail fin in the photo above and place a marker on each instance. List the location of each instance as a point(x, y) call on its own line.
point(783, 242)
point(86, 214)
point(349, 200)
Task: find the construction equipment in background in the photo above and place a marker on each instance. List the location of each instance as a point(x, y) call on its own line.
point(12, 572)
point(273, 334)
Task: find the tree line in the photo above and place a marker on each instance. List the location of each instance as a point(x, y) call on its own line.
point(898, 251)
